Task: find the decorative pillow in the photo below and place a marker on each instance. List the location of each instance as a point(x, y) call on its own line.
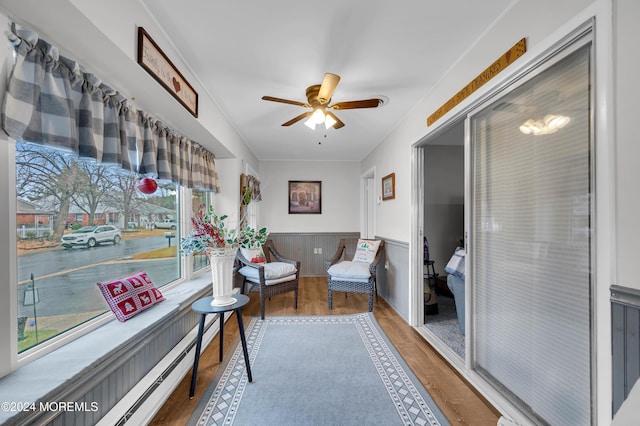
point(130, 295)
point(253, 255)
point(366, 251)
point(272, 271)
point(455, 266)
point(351, 270)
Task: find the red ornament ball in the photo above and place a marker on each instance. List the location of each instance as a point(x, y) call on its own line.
point(147, 185)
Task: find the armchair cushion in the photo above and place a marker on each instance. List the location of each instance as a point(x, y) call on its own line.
point(350, 271)
point(366, 250)
point(272, 271)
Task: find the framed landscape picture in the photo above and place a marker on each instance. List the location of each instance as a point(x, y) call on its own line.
point(389, 187)
point(305, 197)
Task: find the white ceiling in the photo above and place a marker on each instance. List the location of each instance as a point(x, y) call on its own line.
point(242, 50)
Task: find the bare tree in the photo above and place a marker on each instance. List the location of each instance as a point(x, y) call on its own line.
point(123, 195)
point(92, 190)
point(49, 176)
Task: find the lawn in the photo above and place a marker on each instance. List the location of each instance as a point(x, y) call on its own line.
point(30, 338)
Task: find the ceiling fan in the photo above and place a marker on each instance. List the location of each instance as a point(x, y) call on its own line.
point(318, 98)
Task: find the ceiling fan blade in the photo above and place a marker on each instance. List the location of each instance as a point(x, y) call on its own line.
point(285, 101)
point(298, 118)
point(329, 83)
point(339, 123)
point(365, 103)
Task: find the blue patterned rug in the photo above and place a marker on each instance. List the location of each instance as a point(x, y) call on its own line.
point(316, 370)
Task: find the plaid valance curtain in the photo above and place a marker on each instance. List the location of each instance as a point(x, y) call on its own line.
point(252, 183)
point(51, 101)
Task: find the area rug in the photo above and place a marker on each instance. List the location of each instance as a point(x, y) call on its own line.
point(445, 325)
point(316, 370)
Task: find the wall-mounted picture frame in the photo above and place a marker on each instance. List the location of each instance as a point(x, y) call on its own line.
point(305, 197)
point(156, 63)
point(389, 187)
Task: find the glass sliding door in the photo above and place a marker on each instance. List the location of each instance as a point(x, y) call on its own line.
point(530, 244)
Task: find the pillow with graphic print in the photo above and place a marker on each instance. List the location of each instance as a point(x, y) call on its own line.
point(253, 255)
point(130, 295)
point(366, 251)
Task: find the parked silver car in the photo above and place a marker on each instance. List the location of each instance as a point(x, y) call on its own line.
point(91, 236)
point(166, 224)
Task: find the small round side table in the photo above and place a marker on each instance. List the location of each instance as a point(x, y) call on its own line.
point(203, 307)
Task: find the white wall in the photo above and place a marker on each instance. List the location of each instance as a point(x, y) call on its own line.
point(340, 196)
point(392, 216)
point(627, 92)
point(443, 201)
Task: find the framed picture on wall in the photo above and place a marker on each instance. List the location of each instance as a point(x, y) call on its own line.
point(305, 197)
point(389, 187)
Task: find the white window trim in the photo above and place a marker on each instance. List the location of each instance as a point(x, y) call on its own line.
point(9, 293)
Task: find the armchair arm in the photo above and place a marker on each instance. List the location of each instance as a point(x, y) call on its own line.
point(268, 246)
point(281, 258)
point(336, 257)
point(243, 260)
point(377, 259)
point(246, 262)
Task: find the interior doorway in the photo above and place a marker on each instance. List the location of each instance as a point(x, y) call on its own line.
point(368, 204)
point(443, 225)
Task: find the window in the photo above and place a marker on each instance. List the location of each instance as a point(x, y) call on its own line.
point(99, 227)
point(64, 199)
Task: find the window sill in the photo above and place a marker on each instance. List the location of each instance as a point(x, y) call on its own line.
point(47, 378)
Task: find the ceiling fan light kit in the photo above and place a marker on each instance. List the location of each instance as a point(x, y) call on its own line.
point(549, 124)
point(318, 98)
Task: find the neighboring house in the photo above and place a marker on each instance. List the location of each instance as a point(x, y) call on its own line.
point(105, 215)
point(31, 218)
point(141, 214)
point(147, 213)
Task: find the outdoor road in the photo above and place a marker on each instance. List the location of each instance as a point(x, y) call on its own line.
point(65, 284)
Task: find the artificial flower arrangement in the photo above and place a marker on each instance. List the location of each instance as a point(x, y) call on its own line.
point(211, 233)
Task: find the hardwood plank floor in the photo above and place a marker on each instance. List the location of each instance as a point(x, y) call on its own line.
point(454, 396)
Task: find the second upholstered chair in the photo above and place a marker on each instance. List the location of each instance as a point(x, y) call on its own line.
point(275, 276)
point(353, 268)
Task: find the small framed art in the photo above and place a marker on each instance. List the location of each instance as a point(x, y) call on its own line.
point(389, 187)
point(156, 63)
point(305, 197)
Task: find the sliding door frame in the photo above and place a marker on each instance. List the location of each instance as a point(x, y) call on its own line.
point(602, 122)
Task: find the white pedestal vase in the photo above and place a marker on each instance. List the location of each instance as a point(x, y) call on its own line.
point(222, 260)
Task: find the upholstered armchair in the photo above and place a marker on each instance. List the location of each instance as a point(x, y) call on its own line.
point(275, 276)
point(353, 268)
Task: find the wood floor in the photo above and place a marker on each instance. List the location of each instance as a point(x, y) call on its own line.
point(457, 400)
